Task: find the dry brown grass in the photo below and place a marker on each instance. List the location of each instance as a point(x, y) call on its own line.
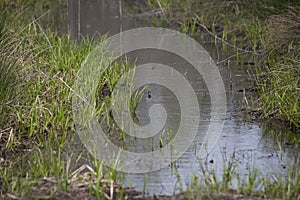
point(284, 31)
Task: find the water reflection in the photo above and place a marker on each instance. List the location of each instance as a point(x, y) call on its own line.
point(248, 144)
point(245, 143)
point(85, 18)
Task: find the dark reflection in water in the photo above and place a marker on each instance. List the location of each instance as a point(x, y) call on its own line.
point(85, 18)
point(81, 18)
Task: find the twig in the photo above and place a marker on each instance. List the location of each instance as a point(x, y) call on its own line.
point(150, 13)
point(10, 137)
point(80, 169)
point(11, 196)
point(111, 189)
point(224, 41)
point(44, 34)
point(33, 22)
point(72, 90)
point(49, 179)
point(228, 58)
point(161, 8)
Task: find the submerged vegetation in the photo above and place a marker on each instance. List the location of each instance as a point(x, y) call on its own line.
point(38, 67)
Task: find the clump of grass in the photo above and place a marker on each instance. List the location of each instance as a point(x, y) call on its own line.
point(279, 90)
point(229, 185)
point(57, 175)
point(10, 71)
point(284, 31)
point(37, 68)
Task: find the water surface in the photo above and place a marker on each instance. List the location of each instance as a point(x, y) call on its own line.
point(249, 144)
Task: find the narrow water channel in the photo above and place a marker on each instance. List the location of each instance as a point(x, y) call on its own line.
point(247, 143)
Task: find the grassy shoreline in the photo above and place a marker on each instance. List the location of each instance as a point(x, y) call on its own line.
point(261, 33)
point(38, 66)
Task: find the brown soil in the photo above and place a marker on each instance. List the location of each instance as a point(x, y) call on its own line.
point(85, 195)
point(46, 189)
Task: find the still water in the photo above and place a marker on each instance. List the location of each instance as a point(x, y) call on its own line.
point(243, 141)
